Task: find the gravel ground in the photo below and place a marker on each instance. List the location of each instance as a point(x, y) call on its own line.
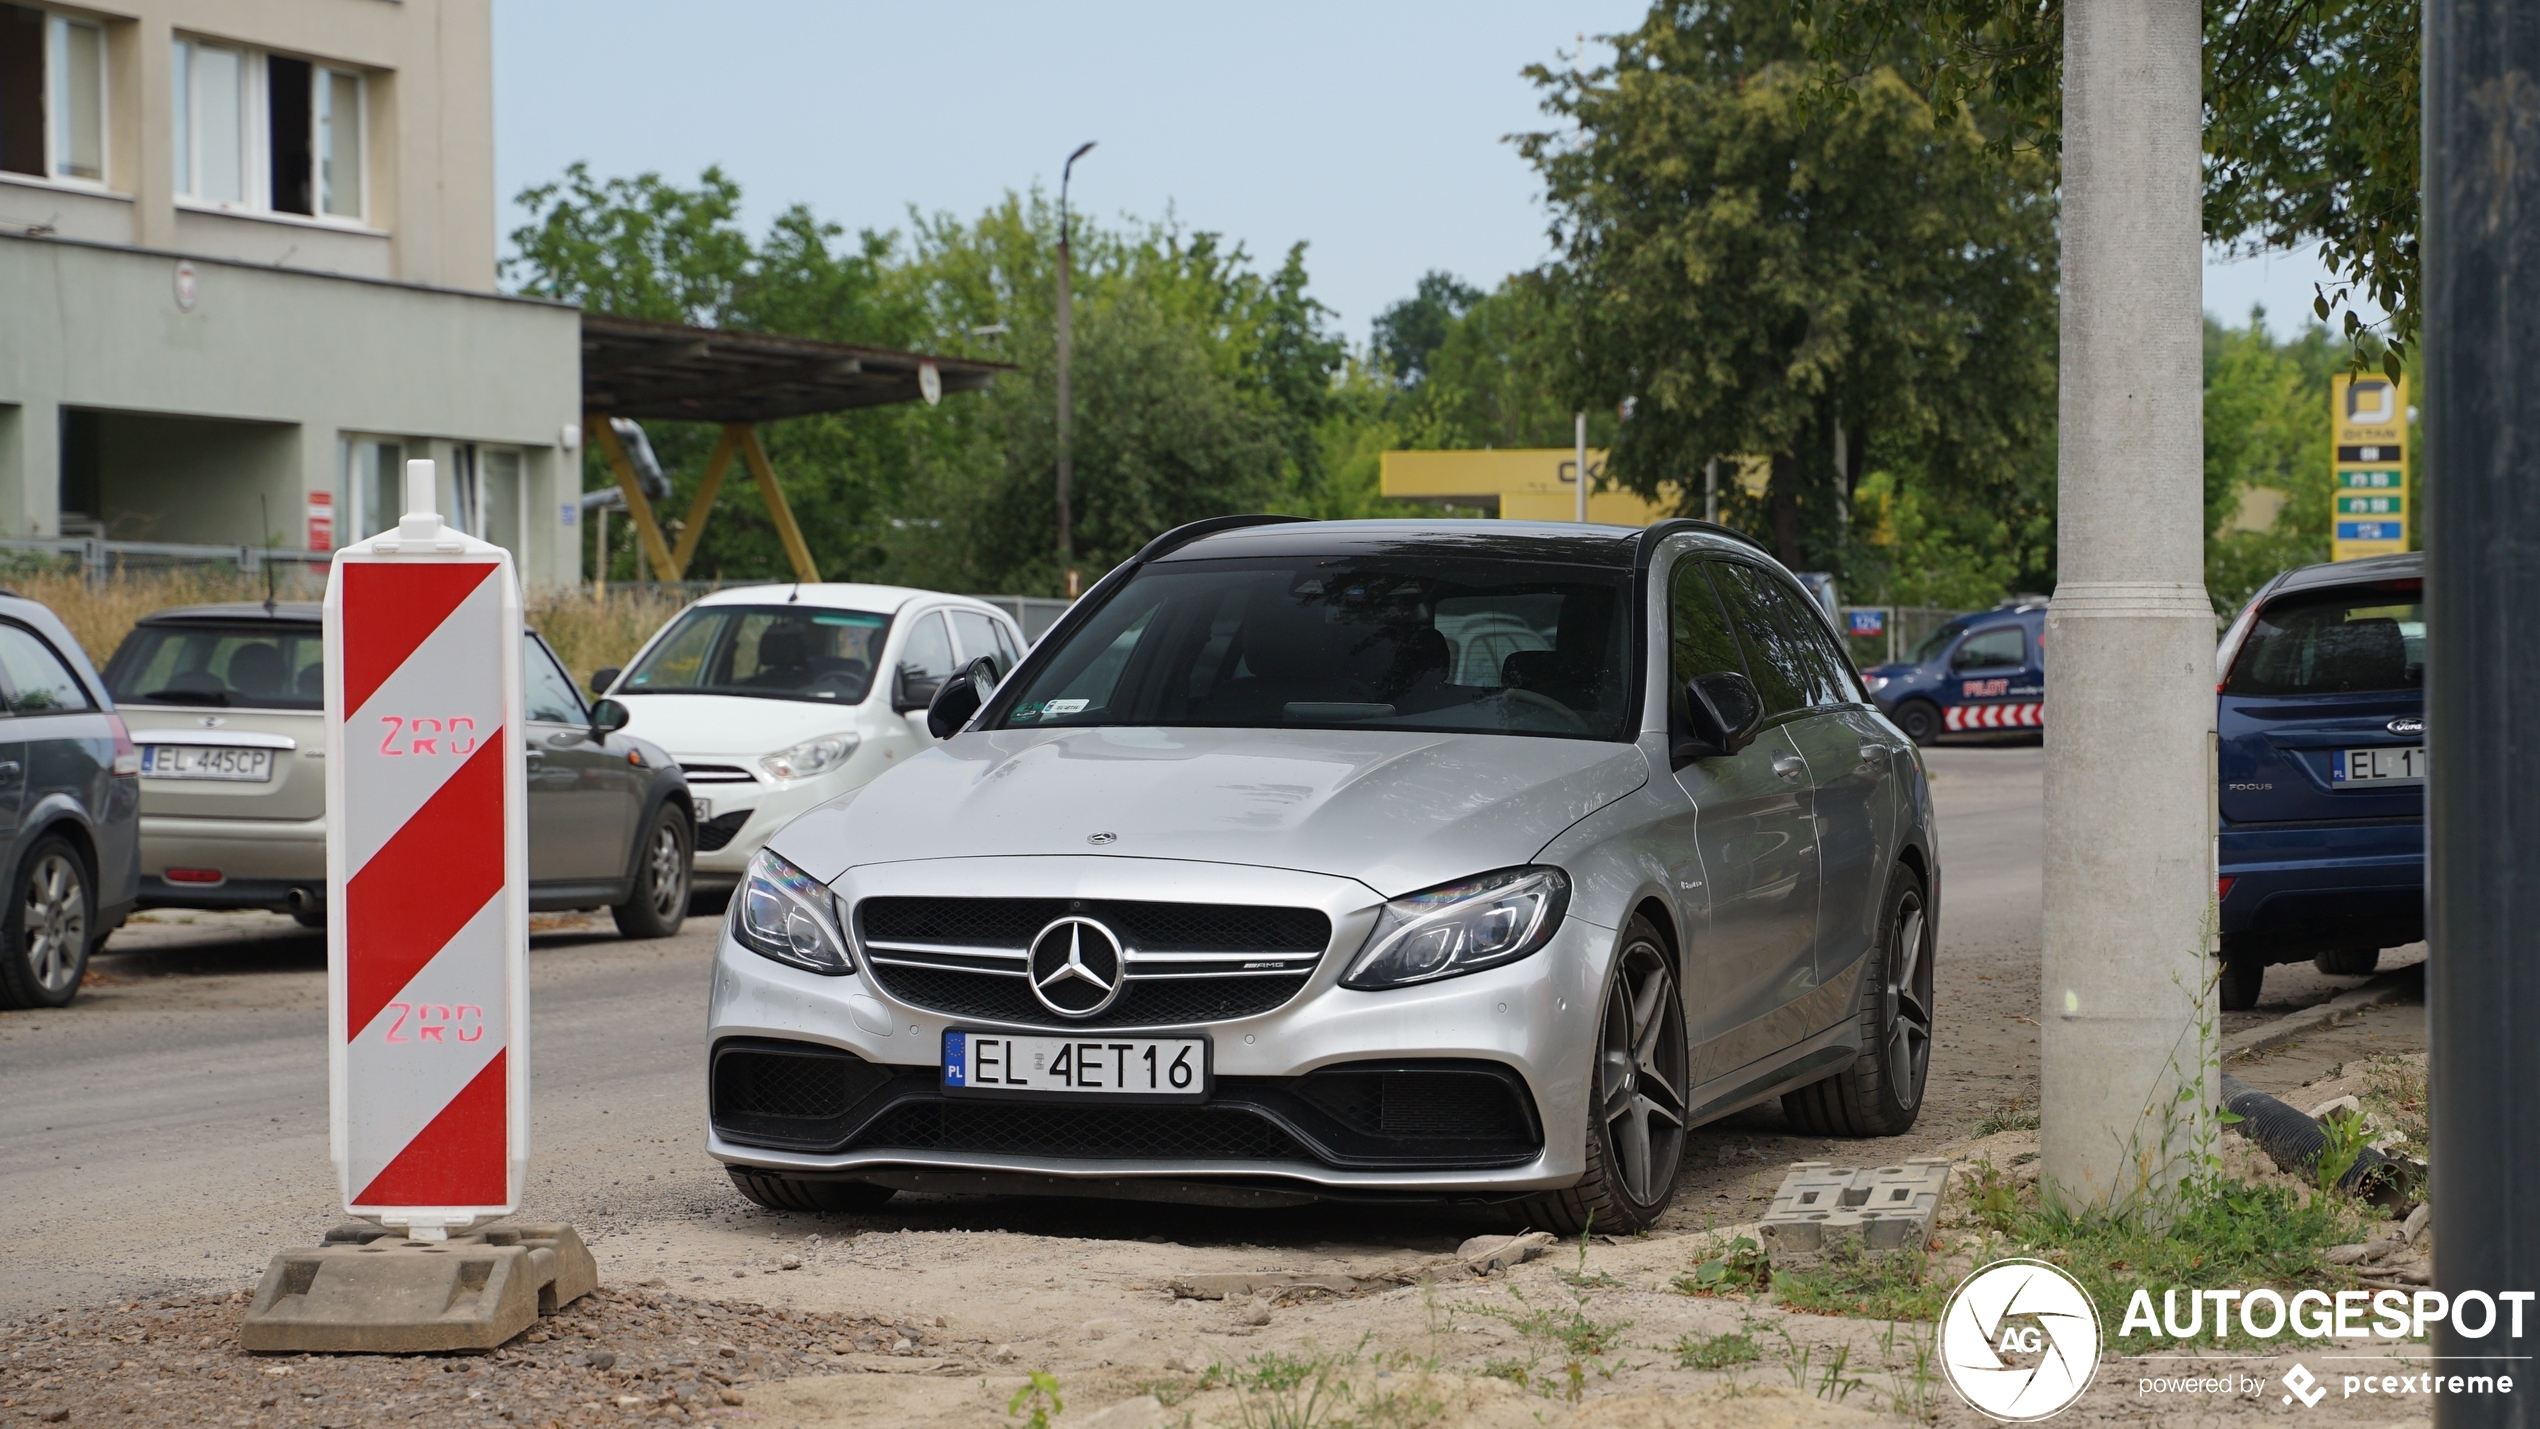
point(616, 1354)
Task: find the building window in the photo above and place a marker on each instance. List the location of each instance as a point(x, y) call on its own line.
point(268, 133)
point(52, 95)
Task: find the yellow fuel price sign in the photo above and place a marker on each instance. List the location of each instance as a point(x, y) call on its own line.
point(2368, 434)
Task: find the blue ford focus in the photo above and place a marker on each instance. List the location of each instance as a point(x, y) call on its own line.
point(2322, 725)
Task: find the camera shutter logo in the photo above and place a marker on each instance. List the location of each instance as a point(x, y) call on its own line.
point(2019, 1341)
point(1076, 967)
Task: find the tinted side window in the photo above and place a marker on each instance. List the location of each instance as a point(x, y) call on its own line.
point(549, 697)
point(1836, 683)
point(1698, 632)
point(39, 683)
point(1776, 660)
point(1991, 649)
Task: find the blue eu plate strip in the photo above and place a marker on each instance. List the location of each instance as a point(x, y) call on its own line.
point(955, 1059)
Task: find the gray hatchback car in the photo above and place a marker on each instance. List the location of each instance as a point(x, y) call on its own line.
point(1450, 861)
point(70, 802)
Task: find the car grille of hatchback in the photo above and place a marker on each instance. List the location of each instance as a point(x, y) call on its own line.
point(1186, 963)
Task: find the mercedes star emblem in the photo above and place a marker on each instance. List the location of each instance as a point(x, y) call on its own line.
point(1076, 967)
point(1100, 839)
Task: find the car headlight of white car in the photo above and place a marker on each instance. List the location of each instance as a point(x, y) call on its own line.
point(786, 914)
point(1464, 927)
point(812, 756)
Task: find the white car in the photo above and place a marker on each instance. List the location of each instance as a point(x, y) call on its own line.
point(776, 698)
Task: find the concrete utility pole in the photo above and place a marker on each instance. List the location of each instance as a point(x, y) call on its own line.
point(2127, 1026)
point(1579, 432)
point(1066, 396)
point(2481, 399)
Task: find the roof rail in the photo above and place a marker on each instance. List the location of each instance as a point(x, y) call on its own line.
point(1658, 531)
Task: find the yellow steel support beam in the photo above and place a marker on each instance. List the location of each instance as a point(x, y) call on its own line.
point(718, 462)
point(782, 514)
point(655, 549)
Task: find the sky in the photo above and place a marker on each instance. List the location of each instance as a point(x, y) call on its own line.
point(1372, 131)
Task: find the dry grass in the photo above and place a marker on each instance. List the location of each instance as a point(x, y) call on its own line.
point(587, 631)
point(591, 631)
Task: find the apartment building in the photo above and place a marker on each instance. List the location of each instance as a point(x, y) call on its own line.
point(247, 269)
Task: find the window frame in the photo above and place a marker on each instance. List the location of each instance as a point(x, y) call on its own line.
point(255, 135)
point(53, 49)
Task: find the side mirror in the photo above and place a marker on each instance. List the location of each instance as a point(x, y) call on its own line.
point(961, 697)
point(608, 717)
point(914, 692)
point(1723, 711)
point(602, 678)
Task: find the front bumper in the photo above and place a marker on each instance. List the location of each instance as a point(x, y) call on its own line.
point(2302, 889)
point(1530, 1022)
point(762, 810)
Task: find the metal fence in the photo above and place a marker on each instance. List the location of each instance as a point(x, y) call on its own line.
point(1898, 629)
point(97, 559)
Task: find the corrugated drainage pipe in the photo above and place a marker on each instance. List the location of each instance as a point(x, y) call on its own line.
point(2294, 1140)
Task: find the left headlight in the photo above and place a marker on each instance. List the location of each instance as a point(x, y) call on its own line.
point(1461, 928)
point(785, 914)
point(812, 756)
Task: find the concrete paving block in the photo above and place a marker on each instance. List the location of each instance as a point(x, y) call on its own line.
point(369, 1291)
point(1821, 1209)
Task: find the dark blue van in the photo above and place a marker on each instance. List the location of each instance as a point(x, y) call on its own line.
point(2322, 726)
point(1980, 672)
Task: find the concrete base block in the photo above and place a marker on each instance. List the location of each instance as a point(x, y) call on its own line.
point(1823, 1209)
point(369, 1291)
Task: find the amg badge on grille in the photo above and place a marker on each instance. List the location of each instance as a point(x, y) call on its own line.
point(1076, 966)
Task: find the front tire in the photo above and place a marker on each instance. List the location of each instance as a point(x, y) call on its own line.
point(44, 942)
point(1920, 720)
point(784, 1193)
point(1881, 1093)
point(2241, 982)
point(660, 903)
point(1636, 1114)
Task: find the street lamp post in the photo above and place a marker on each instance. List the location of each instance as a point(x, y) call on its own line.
point(1066, 396)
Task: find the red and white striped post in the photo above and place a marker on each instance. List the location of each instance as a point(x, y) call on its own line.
point(427, 877)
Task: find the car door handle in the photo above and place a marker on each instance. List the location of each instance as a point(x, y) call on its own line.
point(1791, 767)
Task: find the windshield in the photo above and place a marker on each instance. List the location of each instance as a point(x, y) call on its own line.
point(263, 665)
point(777, 652)
point(1936, 642)
point(2335, 642)
point(1390, 642)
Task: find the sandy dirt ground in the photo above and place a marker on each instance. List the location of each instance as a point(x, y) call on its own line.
point(167, 1133)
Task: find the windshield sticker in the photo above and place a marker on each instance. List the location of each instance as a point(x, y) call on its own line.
point(1065, 707)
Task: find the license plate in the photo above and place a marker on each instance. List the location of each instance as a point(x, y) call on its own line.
point(1127, 1068)
point(203, 761)
point(2393, 764)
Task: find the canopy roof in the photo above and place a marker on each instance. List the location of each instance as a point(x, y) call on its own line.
point(634, 368)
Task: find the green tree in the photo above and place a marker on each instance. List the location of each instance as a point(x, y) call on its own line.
point(1408, 331)
point(2312, 116)
point(1842, 288)
point(2266, 439)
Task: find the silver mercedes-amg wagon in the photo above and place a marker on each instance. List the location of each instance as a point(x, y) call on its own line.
point(1460, 861)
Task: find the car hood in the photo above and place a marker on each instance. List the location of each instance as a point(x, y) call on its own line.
point(733, 725)
point(1397, 811)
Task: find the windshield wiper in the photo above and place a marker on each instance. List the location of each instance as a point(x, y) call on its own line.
point(188, 697)
point(1332, 711)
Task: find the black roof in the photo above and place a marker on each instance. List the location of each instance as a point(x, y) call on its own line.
point(2405, 565)
point(1555, 541)
point(294, 612)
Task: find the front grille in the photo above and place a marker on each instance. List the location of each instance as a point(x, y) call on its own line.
point(1187, 962)
point(716, 774)
point(1187, 1133)
point(788, 1093)
point(716, 832)
point(1472, 1102)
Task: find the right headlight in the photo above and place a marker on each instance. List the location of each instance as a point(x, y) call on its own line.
point(812, 756)
point(1462, 927)
point(785, 914)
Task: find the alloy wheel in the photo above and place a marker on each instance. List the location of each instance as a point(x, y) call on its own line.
point(1641, 1073)
point(665, 870)
point(1909, 997)
point(56, 921)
